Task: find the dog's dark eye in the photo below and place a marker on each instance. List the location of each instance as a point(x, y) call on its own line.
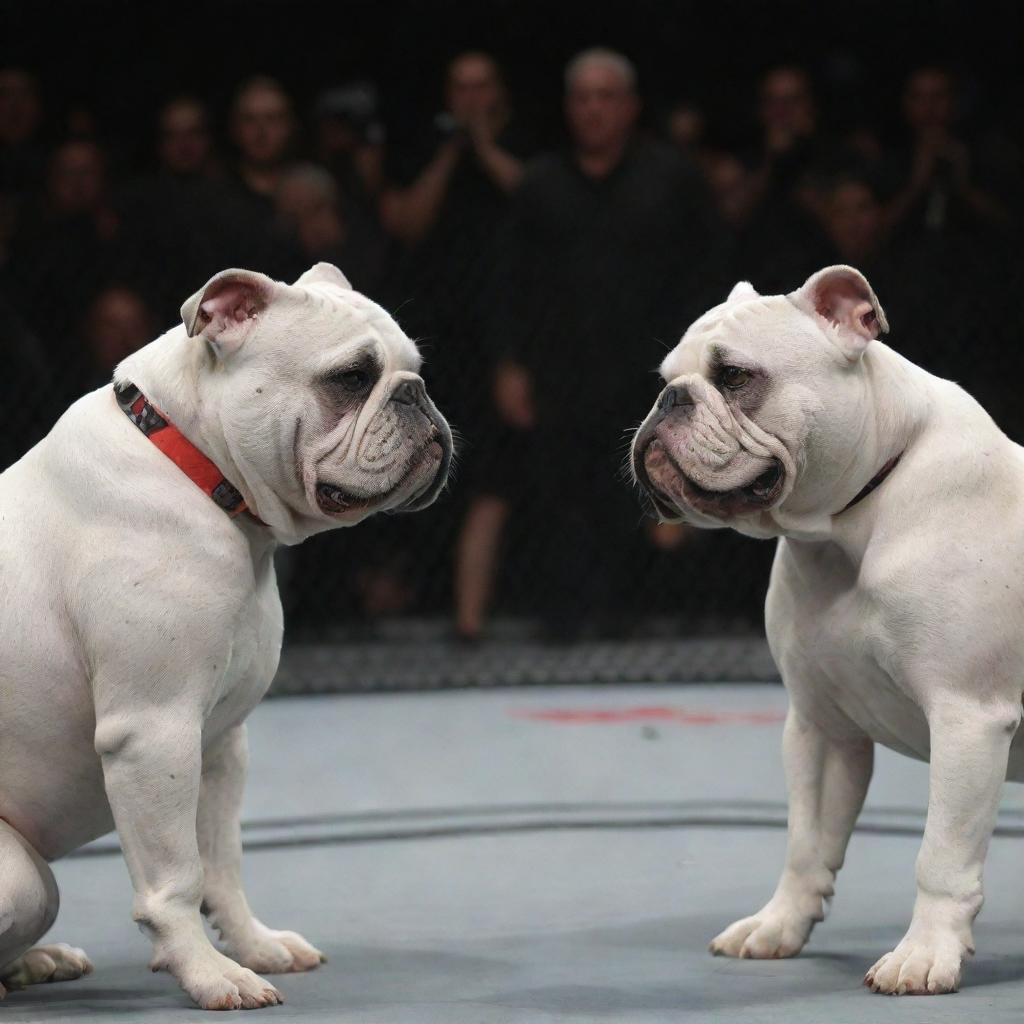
point(355, 381)
point(734, 377)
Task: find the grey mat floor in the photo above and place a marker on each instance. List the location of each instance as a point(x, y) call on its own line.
point(543, 855)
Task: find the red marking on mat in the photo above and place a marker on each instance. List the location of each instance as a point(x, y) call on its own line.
point(656, 713)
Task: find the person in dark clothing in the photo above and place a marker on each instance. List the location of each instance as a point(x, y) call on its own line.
point(609, 250)
point(22, 159)
point(780, 240)
point(908, 270)
point(263, 130)
point(936, 182)
point(67, 246)
point(445, 195)
point(445, 203)
point(30, 405)
point(313, 214)
point(186, 222)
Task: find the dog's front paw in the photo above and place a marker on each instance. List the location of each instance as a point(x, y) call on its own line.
point(273, 952)
point(922, 964)
point(217, 983)
point(771, 934)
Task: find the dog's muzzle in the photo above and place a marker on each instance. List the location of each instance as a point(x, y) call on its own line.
point(438, 447)
point(656, 505)
point(669, 489)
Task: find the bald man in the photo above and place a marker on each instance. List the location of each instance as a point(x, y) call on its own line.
point(611, 246)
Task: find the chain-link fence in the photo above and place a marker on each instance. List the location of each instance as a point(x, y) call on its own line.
point(543, 283)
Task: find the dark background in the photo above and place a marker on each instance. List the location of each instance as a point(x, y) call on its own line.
point(121, 62)
point(124, 59)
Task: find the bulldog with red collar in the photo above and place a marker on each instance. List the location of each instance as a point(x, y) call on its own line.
point(895, 605)
point(139, 616)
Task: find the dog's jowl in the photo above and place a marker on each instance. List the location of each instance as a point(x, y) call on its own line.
point(895, 606)
point(139, 615)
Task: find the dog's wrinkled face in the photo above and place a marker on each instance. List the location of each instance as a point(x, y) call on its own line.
point(318, 395)
point(761, 406)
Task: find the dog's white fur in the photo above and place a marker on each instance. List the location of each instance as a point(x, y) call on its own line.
point(139, 624)
point(897, 621)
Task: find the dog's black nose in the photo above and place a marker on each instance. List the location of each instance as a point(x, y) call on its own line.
point(409, 392)
point(674, 395)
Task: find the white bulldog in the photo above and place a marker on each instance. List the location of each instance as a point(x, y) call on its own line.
point(897, 594)
point(139, 616)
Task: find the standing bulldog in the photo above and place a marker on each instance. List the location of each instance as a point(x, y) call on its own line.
point(139, 615)
point(897, 594)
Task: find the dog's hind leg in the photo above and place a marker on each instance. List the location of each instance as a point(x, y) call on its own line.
point(28, 907)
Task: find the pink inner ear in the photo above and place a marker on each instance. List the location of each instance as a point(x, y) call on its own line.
point(843, 300)
point(232, 300)
point(835, 295)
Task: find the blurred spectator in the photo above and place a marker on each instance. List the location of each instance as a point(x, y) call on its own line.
point(20, 112)
point(184, 148)
point(116, 325)
point(309, 208)
point(788, 112)
point(474, 154)
point(263, 131)
point(445, 194)
point(78, 185)
point(971, 316)
point(68, 245)
point(685, 128)
point(854, 220)
point(350, 139)
point(936, 181)
point(609, 249)
point(446, 200)
point(729, 182)
point(780, 241)
point(187, 222)
point(27, 395)
point(21, 155)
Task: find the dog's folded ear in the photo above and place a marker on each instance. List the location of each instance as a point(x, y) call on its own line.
point(225, 309)
point(325, 273)
point(842, 296)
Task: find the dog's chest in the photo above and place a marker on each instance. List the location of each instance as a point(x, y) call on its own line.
point(836, 655)
point(252, 659)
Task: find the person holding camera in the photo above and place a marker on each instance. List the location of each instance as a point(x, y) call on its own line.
point(476, 156)
point(445, 202)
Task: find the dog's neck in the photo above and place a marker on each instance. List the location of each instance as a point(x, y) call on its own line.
point(168, 372)
point(896, 411)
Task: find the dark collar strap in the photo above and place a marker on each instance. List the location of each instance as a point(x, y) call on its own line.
point(873, 482)
point(202, 471)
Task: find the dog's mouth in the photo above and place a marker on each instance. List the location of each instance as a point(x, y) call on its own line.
point(335, 500)
point(763, 488)
point(672, 489)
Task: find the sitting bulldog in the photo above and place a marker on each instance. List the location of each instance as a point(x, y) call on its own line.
point(139, 615)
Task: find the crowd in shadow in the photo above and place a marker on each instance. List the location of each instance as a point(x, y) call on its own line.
point(544, 282)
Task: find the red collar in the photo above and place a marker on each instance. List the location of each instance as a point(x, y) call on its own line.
point(873, 482)
point(202, 471)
